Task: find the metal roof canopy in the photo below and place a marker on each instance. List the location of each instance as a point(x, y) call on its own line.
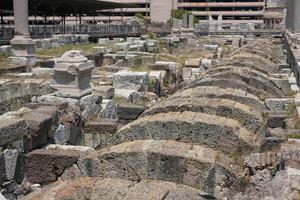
point(62, 7)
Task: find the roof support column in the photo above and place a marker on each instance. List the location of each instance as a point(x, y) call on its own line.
point(22, 45)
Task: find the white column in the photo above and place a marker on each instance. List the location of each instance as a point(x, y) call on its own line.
point(23, 47)
point(21, 17)
point(296, 16)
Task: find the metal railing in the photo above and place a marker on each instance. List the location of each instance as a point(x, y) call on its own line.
point(46, 31)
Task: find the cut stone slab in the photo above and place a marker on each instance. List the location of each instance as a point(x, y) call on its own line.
point(91, 106)
point(277, 104)
point(68, 133)
point(46, 165)
point(129, 111)
point(103, 41)
point(107, 92)
point(106, 189)
point(39, 126)
point(101, 126)
point(131, 78)
point(164, 160)
point(193, 62)
point(295, 88)
point(12, 130)
point(8, 163)
point(127, 94)
point(42, 72)
point(95, 132)
point(109, 109)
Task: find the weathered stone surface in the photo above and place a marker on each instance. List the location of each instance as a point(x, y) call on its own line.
point(251, 78)
point(63, 134)
point(277, 104)
point(245, 115)
point(285, 185)
point(71, 173)
point(166, 161)
point(91, 106)
point(129, 111)
point(95, 132)
point(39, 127)
point(42, 72)
point(290, 152)
point(193, 62)
point(129, 95)
point(12, 130)
point(220, 133)
point(107, 92)
point(230, 83)
point(236, 95)
point(72, 74)
point(109, 109)
point(277, 121)
point(44, 166)
point(8, 163)
point(97, 188)
point(103, 41)
point(128, 78)
point(260, 161)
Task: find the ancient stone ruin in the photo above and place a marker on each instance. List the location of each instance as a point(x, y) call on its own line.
point(166, 118)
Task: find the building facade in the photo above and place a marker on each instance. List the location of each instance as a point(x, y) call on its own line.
point(293, 16)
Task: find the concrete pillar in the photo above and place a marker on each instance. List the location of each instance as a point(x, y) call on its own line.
point(23, 47)
point(296, 20)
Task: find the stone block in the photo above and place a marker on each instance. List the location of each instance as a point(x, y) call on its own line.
point(128, 94)
point(136, 47)
point(129, 111)
point(122, 46)
point(206, 63)
point(109, 109)
point(103, 41)
point(8, 163)
point(46, 63)
point(107, 92)
point(40, 125)
point(101, 126)
point(42, 72)
point(155, 81)
point(131, 78)
point(295, 88)
point(46, 165)
point(193, 62)
point(95, 132)
point(12, 130)
point(69, 134)
point(90, 106)
point(186, 73)
point(277, 104)
point(18, 61)
point(213, 48)
point(277, 121)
